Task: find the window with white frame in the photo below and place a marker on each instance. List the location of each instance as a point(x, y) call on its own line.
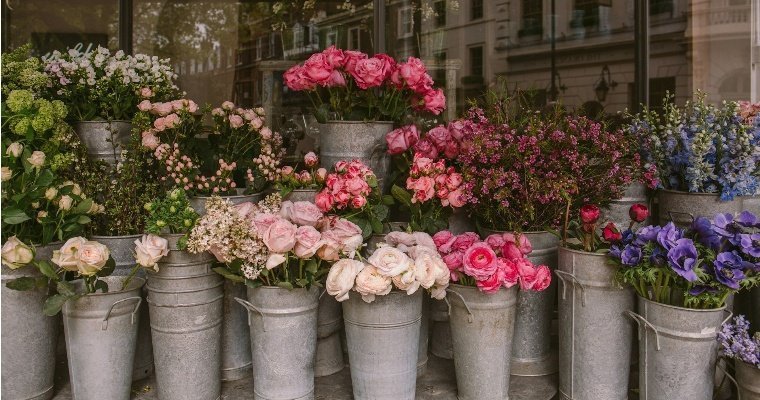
point(405, 22)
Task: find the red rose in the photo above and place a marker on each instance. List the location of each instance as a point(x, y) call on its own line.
point(589, 214)
point(611, 233)
point(638, 212)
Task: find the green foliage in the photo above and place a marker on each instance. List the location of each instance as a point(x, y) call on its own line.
point(170, 214)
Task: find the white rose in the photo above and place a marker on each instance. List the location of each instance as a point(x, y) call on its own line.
point(341, 278)
point(370, 283)
point(390, 261)
point(15, 149)
point(16, 254)
point(423, 239)
point(426, 269)
point(150, 249)
point(94, 208)
point(50, 193)
point(37, 159)
point(92, 257)
point(5, 174)
point(41, 215)
point(65, 202)
point(68, 256)
point(76, 189)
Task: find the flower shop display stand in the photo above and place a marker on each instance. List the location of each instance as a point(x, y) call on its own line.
point(104, 139)
point(594, 333)
point(683, 207)
point(101, 336)
point(355, 140)
point(29, 337)
point(677, 350)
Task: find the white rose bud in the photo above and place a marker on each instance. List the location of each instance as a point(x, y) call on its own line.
point(92, 257)
point(94, 208)
point(16, 254)
point(36, 205)
point(5, 174)
point(50, 193)
point(15, 149)
point(65, 202)
point(37, 159)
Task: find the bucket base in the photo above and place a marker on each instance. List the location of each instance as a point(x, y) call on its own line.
point(329, 356)
point(236, 374)
point(309, 396)
point(546, 366)
point(421, 368)
point(440, 342)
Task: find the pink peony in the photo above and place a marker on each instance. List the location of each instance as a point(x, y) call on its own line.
point(308, 241)
point(401, 139)
point(280, 237)
point(369, 73)
point(236, 121)
point(479, 261)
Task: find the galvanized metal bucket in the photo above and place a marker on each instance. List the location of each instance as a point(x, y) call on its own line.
point(355, 140)
point(440, 336)
point(677, 350)
point(533, 353)
point(748, 380)
point(329, 350)
point(595, 335)
point(198, 203)
point(101, 338)
point(301, 195)
point(372, 242)
point(751, 203)
point(481, 330)
point(104, 140)
point(283, 326)
point(460, 222)
point(422, 350)
point(617, 211)
point(236, 339)
point(28, 337)
point(186, 306)
point(383, 341)
point(683, 207)
point(122, 251)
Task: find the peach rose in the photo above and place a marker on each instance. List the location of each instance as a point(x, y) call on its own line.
point(37, 159)
point(92, 257)
point(67, 257)
point(331, 247)
point(341, 278)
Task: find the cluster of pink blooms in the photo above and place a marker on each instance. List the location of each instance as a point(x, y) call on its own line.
point(269, 158)
point(234, 117)
point(749, 111)
point(439, 142)
point(498, 261)
point(346, 188)
point(304, 179)
point(430, 179)
point(184, 173)
point(170, 115)
point(333, 66)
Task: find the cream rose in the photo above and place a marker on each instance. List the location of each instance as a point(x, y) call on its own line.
point(396, 238)
point(280, 237)
point(15, 149)
point(37, 159)
point(330, 248)
point(68, 255)
point(5, 174)
point(390, 261)
point(16, 254)
point(275, 259)
point(305, 213)
point(426, 269)
point(406, 280)
point(92, 257)
point(308, 241)
point(423, 239)
point(50, 193)
point(65, 202)
point(149, 250)
point(341, 278)
point(370, 283)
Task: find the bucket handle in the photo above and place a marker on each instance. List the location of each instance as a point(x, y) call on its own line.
point(247, 304)
point(671, 213)
point(104, 323)
point(730, 314)
point(323, 293)
point(639, 320)
point(730, 378)
point(469, 313)
point(574, 281)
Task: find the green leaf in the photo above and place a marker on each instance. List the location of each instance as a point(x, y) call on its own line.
point(47, 270)
point(108, 268)
point(83, 207)
point(312, 266)
point(388, 200)
point(14, 216)
point(65, 288)
point(229, 275)
point(285, 285)
point(101, 285)
point(45, 178)
point(377, 225)
point(23, 284)
point(302, 282)
point(83, 220)
point(54, 303)
point(381, 212)
point(404, 197)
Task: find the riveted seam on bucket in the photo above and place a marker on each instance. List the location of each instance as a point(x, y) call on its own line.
point(186, 331)
point(383, 326)
point(154, 304)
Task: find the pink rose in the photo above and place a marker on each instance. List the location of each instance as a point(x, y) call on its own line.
point(334, 56)
point(351, 58)
point(426, 148)
point(336, 79)
point(162, 108)
point(317, 69)
point(435, 101)
point(396, 238)
point(330, 248)
point(324, 200)
point(496, 241)
point(424, 188)
point(452, 150)
point(369, 73)
point(479, 261)
point(295, 79)
point(390, 261)
point(310, 159)
point(357, 186)
point(456, 128)
point(441, 238)
point(171, 120)
point(262, 221)
point(453, 181)
point(341, 166)
point(439, 136)
point(401, 139)
point(456, 198)
point(493, 283)
point(543, 278)
point(321, 175)
point(178, 104)
point(414, 74)
point(144, 105)
point(358, 202)
point(527, 273)
point(150, 141)
point(511, 274)
point(308, 241)
point(525, 246)
point(280, 237)
point(236, 121)
point(159, 124)
point(455, 260)
point(348, 234)
point(389, 64)
point(305, 213)
point(192, 106)
point(370, 283)
point(465, 240)
point(424, 240)
point(342, 198)
point(146, 92)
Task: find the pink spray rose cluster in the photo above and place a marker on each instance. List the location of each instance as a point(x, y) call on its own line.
point(748, 111)
point(348, 187)
point(348, 70)
point(312, 177)
point(167, 116)
point(498, 261)
point(406, 261)
point(433, 180)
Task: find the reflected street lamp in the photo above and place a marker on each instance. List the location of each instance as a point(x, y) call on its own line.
point(604, 84)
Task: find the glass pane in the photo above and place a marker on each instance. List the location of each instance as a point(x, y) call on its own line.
point(60, 24)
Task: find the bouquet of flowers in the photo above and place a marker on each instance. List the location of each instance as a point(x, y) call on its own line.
point(313, 178)
point(702, 147)
point(352, 192)
point(498, 261)
point(432, 192)
point(584, 232)
point(694, 268)
point(273, 243)
point(523, 173)
point(736, 342)
point(359, 87)
point(101, 85)
point(237, 150)
point(406, 261)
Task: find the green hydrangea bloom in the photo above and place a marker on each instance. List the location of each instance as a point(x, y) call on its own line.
point(60, 109)
point(20, 100)
point(42, 122)
point(22, 126)
point(61, 161)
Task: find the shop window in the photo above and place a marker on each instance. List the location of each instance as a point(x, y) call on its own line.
point(660, 6)
point(405, 22)
point(586, 13)
point(658, 88)
point(476, 61)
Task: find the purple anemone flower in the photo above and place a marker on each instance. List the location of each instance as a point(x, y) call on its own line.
point(647, 234)
point(750, 244)
point(748, 220)
point(682, 258)
point(668, 235)
point(705, 233)
point(724, 225)
point(631, 255)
